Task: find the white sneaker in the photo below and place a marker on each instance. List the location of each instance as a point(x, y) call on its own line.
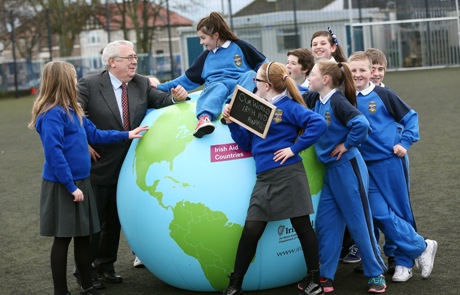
point(425, 261)
point(137, 262)
point(402, 274)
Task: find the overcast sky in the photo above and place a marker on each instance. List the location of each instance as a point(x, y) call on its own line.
point(204, 7)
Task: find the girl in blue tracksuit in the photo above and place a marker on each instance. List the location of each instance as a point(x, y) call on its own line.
point(281, 189)
point(384, 153)
point(344, 198)
point(226, 62)
point(67, 204)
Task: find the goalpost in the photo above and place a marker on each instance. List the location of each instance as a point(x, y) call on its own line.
point(408, 43)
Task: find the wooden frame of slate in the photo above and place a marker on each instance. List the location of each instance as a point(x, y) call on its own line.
point(251, 112)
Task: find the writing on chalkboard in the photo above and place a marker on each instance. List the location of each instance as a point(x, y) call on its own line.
point(251, 111)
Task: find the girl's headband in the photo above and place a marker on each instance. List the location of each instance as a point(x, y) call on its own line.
point(266, 72)
point(334, 38)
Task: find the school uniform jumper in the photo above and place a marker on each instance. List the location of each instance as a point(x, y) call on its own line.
point(303, 87)
point(344, 197)
point(281, 191)
point(388, 175)
point(67, 163)
point(220, 70)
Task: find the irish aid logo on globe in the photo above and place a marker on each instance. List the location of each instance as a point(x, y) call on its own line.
point(182, 203)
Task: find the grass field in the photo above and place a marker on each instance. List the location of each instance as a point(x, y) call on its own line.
point(24, 254)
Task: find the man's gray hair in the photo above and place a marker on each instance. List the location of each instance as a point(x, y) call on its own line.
point(113, 50)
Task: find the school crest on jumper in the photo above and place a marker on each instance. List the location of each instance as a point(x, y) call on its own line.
point(278, 116)
point(327, 117)
point(238, 60)
point(372, 107)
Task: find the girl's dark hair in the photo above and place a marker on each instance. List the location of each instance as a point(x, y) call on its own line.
point(215, 23)
point(341, 77)
point(338, 54)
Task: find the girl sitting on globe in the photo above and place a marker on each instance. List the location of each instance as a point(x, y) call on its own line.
point(226, 62)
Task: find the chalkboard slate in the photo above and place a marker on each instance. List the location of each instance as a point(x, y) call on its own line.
point(251, 112)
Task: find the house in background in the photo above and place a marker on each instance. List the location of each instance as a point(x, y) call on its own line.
point(86, 53)
point(95, 36)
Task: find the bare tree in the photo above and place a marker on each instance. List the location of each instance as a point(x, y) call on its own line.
point(141, 17)
point(68, 18)
point(31, 29)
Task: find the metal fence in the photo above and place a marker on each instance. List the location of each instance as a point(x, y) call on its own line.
point(412, 34)
point(28, 72)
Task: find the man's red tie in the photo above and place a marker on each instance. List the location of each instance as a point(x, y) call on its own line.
point(124, 106)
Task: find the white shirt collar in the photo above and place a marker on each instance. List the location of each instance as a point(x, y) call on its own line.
point(225, 45)
point(327, 96)
point(115, 82)
point(367, 90)
point(278, 97)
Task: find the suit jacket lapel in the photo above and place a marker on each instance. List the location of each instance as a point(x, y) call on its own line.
point(108, 93)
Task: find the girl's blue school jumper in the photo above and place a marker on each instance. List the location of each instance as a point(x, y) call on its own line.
point(220, 70)
point(289, 118)
point(65, 145)
point(344, 198)
point(392, 121)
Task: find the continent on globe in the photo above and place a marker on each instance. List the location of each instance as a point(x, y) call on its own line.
point(182, 203)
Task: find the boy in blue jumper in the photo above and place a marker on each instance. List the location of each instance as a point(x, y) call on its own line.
point(226, 62)
point(379, 65)
point(384, 153)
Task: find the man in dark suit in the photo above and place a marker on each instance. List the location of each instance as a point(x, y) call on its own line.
point(101, 96)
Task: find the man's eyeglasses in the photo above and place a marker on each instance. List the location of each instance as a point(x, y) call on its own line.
point(258, 80)
point(130, 58)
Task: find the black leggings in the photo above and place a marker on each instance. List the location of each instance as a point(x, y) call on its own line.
point(252, 232)
point(82, 257)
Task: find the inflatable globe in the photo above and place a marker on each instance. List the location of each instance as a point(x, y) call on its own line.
point(182, 203)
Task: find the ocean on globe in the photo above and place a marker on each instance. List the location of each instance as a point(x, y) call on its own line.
point(182, 203)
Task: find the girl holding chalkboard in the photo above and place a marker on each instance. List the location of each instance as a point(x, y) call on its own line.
point(344, 196)
point(281, 190)
point(226, 62)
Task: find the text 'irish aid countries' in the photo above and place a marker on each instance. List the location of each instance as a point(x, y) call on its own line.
point(227, 152)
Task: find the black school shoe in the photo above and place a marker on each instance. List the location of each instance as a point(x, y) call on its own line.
point(110, 277)
point(391, 265)
point(97, 284)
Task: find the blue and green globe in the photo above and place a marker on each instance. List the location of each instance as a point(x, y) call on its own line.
point(182, 203)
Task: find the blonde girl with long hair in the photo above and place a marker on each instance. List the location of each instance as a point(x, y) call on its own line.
point(67, 205)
